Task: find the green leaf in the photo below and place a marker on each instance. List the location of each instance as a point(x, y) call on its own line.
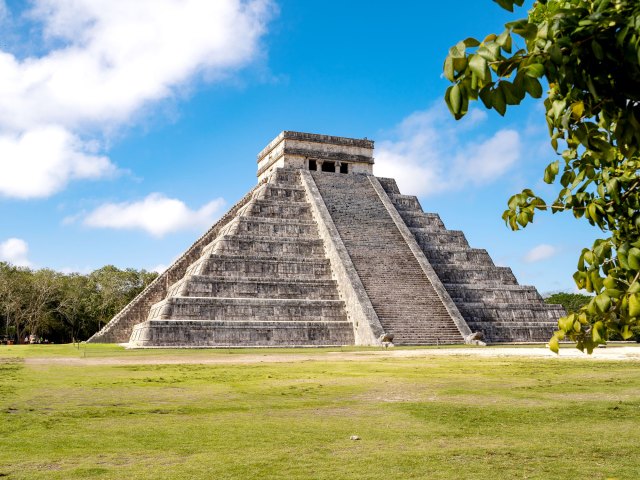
point(448, 69)
point(551, 171)
point(634, 305)
point(532, 86)
point(598, 332)
point(603, 302)
point(478, 65)
point(458, 50)
point(554, 346)
point(498, 101)
point(633, 257)
point(535, 70)
point(470, 42)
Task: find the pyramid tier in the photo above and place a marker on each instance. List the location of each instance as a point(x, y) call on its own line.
point(260, 266)
point(213, 333)
point(265, 245)
point(277, 208)
point(207, 286)
point(272, 227)
point(259, 309)
point(428, 238)
point(478, 293)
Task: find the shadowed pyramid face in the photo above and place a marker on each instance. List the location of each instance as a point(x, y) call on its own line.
point(309, 151)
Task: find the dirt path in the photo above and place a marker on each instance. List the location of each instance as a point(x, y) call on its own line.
point(629, 353)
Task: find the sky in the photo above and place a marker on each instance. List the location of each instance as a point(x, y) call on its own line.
point(128, 128)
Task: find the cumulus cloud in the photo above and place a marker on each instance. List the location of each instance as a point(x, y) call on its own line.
point(540, 252)
point(155, 214)
point(430, 153)
point(112, 58)
point(41, 161)
point(15, 251)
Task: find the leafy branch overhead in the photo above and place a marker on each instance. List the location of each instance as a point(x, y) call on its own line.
point(584, 57)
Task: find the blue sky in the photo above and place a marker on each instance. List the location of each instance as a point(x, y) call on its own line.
point(127, 128)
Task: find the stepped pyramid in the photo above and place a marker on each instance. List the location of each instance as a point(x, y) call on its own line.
point(321, 252)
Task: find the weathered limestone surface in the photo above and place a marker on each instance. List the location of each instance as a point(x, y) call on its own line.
point(488, 297)
point(264, 281)
point(403, 297)
point(366, 324)
point(321, 252)
point(119, 329)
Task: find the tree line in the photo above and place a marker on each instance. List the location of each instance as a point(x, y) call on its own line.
point(63, 308)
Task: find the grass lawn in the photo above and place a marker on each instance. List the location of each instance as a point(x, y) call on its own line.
point(438, 417)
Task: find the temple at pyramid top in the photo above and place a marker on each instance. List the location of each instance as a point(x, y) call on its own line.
point(310, 151)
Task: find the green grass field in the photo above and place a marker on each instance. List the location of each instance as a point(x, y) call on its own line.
point(432, 417)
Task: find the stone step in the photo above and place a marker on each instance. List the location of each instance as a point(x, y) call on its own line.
point(277, 208)
point(284, 227)
point(389, 185)
point(419, 219)
point(203, 286)
point(475, 274)
point(283, 191)
point(405, 202)
point(514, 331)
point(243, 309)
point(215, 333)
point(286, 176)
point(480, 293)
point(469, 256)
point(501, 312)
point(427, 238)
point(242, 266)
point(261, 245)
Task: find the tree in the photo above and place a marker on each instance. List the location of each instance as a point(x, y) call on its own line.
point(571, 302)
point(64, 307)
point(587, 54)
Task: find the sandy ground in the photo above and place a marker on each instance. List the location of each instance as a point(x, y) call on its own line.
point(628, 353)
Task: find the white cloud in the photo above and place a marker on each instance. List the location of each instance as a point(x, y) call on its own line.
point(155, 214)
point(112, 58)
point(431, 153)
point(540, 252)
point(15, 250)
point(41, 161)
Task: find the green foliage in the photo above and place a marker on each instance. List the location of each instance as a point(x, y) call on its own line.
point(571, 302)
point(587, 54)
point(62, 307)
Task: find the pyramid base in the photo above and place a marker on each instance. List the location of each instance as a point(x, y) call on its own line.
point(218, 333)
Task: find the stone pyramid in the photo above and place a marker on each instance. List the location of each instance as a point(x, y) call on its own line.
point(321, 252)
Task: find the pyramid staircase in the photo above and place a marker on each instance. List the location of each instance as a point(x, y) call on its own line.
point(488, 297)
point(404, 299)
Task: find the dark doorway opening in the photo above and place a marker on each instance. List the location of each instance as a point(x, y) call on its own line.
point(344, 168)
point(313, 165)
point(328, 167)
